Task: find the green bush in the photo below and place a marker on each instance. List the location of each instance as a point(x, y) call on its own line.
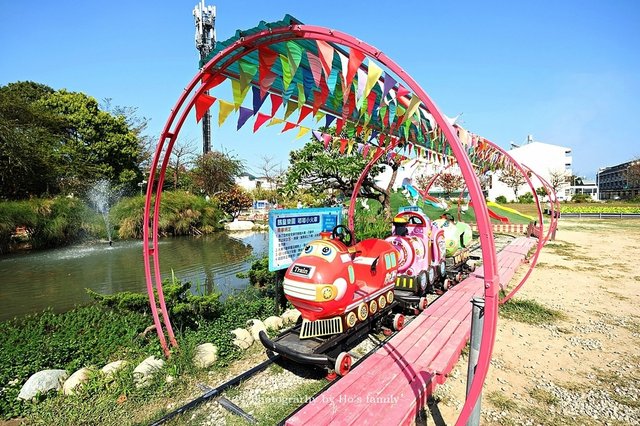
point(526, 198)
point(501, 199)
point(181, 213)
point(581, 198)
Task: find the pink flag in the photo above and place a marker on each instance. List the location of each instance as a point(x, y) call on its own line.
point(203, 103)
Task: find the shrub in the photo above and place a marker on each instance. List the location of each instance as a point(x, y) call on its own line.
point(501, 199)
point(526, 198)
point(581, 198)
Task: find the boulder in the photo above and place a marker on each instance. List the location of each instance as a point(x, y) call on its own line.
point(243, 338)
point(41, 382)
point(273, 323)
point(112, 368)
point(255, 327)
point(76, 379)
point(239, 225)
point(290, 316)
point(205, 355)
point(143, 373)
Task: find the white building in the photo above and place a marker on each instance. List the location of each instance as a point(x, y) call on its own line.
point(544, 159)
point(248, 182)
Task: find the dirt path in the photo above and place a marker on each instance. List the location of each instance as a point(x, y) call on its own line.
point(584, 369)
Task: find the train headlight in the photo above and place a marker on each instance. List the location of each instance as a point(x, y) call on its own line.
point(326, 293)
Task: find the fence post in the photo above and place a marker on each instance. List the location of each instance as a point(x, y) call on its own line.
point(477, 319)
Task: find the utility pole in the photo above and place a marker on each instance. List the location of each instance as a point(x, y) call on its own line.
point(205, 20)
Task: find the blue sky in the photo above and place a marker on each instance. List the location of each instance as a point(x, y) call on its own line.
point(567, 72)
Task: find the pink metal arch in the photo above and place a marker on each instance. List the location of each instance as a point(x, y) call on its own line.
point(250, 43)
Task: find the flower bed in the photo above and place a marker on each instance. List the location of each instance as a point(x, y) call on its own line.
point(600, 209)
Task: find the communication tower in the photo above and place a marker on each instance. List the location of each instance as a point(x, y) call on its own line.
point(205, 20)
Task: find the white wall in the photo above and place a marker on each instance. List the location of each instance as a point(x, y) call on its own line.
point(540, 157)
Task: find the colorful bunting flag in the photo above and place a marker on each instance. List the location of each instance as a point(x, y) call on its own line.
point(276, 101)
point(288, 126)
point(304, 112)
point(328, 120)
point(343, 145)
point(275, 121)
point(243, 116)
point(325, 51)
point(291, 106)
point(355, 60)
point(373, 75)
point(225, 110)
point(294, 54)
point(315, 66)
point(389, 82)
point(203, 103)
point(303, 131)
point(247, 71)
point(210, 81)
point(266, 58)
point(238, 93)
point(258, 99)
point(260, 120)
point(286, 71)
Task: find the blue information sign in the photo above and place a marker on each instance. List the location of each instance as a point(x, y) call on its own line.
point(291, 230)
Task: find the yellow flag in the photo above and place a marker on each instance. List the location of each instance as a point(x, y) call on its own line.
point(303, 131)
point(225, 110)
point(373, 75)
point(275, 121)
point(238, 93)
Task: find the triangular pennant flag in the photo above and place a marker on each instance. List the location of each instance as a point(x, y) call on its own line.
point(286, 71)
point(350, 147)
point(210, 81)
point(339, 125)
point(317, 103)
point(344, 68)
point(316, 67)
point(355, 60)
point(247, 71)
point(304, 112)
point(362, 82)
point(373, 75)
point(301, 95)
point(238, 93)
point(294, 54)
point(291, 106)
point(327, 139)
point(318, 135)
point(325, 51)
point(332, 80)
point(288, 126)
point(275, 121)
point(267, 58)
point(343, 145)
point(260, 120)
point(413, 106)
point(225, 110)
point(401, 91)
point(319, 116)
point(371, 100)
point(365, 150)
point(276, 101)
point(307, 82)
point(203, 103)
point(303, 131)
point(328, 120)
point(257, 99)
point(244, 115)
point(389, 82)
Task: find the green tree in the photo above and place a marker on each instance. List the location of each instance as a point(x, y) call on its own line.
point(98, 144)
point(234, 201)
point(315, 170)
point(28, 134)
point(541, 191)
point(216, 171)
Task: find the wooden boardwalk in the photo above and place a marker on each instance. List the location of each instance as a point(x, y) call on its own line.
point(392, 385)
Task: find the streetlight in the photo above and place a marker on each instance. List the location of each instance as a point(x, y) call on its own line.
point(141, 185)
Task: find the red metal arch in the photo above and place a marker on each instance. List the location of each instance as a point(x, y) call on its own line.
point(185, 105)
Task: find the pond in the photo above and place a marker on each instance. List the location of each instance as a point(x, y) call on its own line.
point(32, 282)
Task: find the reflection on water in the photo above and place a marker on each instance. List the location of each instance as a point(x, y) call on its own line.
point(31, 282)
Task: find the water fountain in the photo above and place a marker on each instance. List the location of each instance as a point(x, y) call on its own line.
point(101, 196)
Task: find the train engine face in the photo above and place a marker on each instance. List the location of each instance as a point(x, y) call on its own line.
point(332, 280)
point(318, 282)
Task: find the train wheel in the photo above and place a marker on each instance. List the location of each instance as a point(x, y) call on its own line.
point(443, 269)
point(373, 307)
point(343, 363)
point(351, 319)
point(363, 311)
point(382, 301)
point(423, 303)
point(390, 297)
point(432, 275)
point(423, 280)
point(446, 284)
point(398, 322)
point(459, 277)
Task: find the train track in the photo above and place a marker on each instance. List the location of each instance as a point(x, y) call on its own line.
point(216, 393)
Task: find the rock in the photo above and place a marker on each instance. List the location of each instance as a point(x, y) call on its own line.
point(145, 370)
point(41, 382)
point(239, 225)
point(255, 327)
point(290, 316)
point(273, 323)
point(243, 338)
point(112, 368)
point(205, 355)
point(76, 379)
